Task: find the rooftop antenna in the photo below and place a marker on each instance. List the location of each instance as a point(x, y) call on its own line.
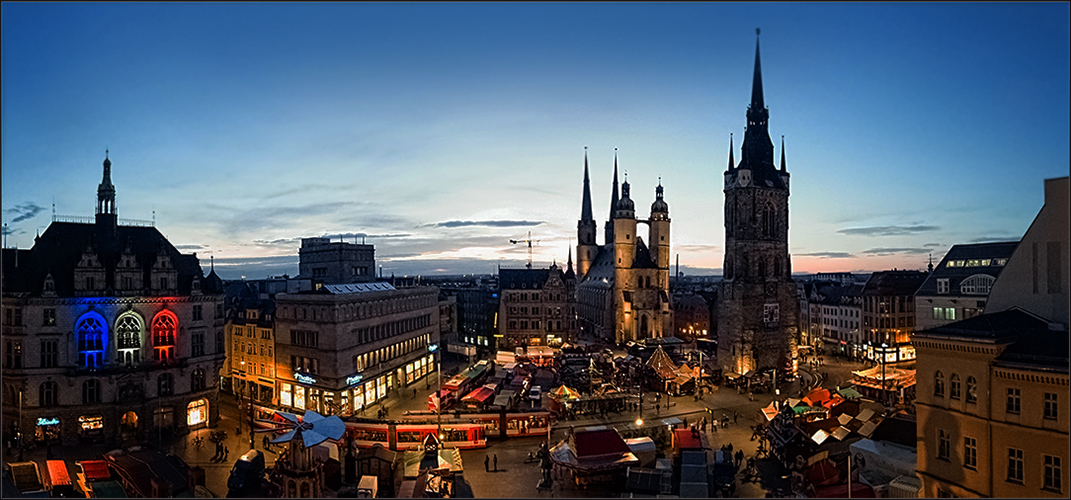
point(5, 236)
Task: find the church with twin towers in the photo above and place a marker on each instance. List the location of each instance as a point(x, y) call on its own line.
point(623, 285)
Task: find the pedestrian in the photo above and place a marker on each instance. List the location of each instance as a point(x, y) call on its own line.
point(496, 462)
point(486, 463)
point(265, 441)
point(658, 408)
point(226, 452)
point(739, 457)
point(730, 448)
point(735, 415)
point(750, 396)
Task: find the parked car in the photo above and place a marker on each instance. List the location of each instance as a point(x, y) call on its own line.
point(246, 473)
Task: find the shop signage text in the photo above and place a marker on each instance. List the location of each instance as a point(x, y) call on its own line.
point(304, 379)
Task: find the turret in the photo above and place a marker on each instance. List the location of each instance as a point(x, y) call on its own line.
point(107, 216)
point(624, 230)
point(658, 235)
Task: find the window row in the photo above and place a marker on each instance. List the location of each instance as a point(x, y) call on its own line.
point(955, 387)
point(373, 333)
point(48, 392)
point(373, 358)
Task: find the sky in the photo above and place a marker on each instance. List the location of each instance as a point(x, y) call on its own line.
point(439, 132)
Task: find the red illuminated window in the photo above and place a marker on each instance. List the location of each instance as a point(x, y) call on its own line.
point(163, 336)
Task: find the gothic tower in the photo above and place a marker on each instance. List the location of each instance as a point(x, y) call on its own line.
point(586, 249)
point(624, 224)
point(758, 309)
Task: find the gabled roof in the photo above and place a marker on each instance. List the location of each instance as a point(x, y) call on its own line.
point(523, 279)
point(596, 443)
point(602, 268)
point(59, 250)
point(643, 259)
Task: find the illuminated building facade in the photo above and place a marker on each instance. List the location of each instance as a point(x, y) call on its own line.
point(623, 285)
point(758, 309)
point(889, 314)
point(251, 333)
point(108, 332)
point(992, 402)
point(342, 348)
point(536, 309)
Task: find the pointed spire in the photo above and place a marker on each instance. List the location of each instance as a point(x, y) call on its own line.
point(585, 207)
point(756, 83)
point(782, 153)
point(930, 267)
point(570, 256)
point(613, 200)
point(212, 259)
point(732, 165)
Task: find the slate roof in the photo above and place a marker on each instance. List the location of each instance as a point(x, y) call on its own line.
point(643, 259)
point(1002, 250)
point(992, 326)
point(59, 250)
point(1046, 349)
point(525, 279)
point(894, 283)
point(897, 430)
point(602, 267)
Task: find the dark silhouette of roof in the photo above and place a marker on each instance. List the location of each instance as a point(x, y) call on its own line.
point(894, 283)
point(897, 430)
point(59, 250)
point(523, 279)
point(978, 251)
point(1048, 349)
point(598, 443)
point(1000, 325)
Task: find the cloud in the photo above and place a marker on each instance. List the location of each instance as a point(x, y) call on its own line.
point(992, 239)
point(825, 255)
point(699, 248)
point(280, 242)
point(887, 230)
point(893, 251)
point(25, 211)
point(486, 223)
point(11, 230)
point(933, 245)
point(190, 247)
point(350, 236)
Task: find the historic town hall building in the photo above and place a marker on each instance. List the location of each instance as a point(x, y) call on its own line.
point(623, 290)
point(108, 333)
point(758, 308)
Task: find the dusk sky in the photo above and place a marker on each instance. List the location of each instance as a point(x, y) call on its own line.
point(442, 131)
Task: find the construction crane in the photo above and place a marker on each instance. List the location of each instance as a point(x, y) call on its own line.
point(529, 241)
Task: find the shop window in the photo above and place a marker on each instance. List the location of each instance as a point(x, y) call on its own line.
point(197, 412)
point(91, 392)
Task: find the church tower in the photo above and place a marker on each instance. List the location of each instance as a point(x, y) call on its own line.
point(658, 235)
point(624, 224)
point(107, 217)
point(586, 249)
point(758, 309)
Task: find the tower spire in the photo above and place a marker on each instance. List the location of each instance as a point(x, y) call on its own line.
point(732, 164)
point(783, 153)
point(106, 212)
point(614, 198)
point(570, 257)
point(756, 83)
point(585, 207)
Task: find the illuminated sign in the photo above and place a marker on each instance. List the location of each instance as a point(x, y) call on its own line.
point(48, 421)
point(433, 347)
point(353, 379)
point(304, 379)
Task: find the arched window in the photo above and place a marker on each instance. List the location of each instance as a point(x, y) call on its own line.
point(91, 331)
point(91, 392)
point(954, 387)
point(197, 380)
point(305, 491)
point(128, 337)
point(939, 385)
point(163, 335)
point(978, 284)
point(165, 385)
point(47, 394)
point(972, 389)
point(291, 489)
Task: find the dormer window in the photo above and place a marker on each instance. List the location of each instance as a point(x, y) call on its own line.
point(942, 285)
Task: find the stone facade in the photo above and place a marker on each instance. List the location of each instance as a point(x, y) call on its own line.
point(535, 308)
point(108, 333)
point(332, 263)
point(758, 306)
point(623, 290)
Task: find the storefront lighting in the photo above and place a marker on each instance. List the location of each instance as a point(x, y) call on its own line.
point(304, 379)
point(47, 421)
point(354, 379)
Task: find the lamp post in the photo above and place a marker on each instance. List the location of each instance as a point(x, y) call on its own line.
point(884, 383)
point(18, 432)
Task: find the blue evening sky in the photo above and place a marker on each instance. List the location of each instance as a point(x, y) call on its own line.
point(441, 131)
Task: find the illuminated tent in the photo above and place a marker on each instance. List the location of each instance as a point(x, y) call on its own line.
point(564, 393)
point(662, 364)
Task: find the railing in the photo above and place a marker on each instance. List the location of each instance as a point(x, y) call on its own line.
point(77, 219)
